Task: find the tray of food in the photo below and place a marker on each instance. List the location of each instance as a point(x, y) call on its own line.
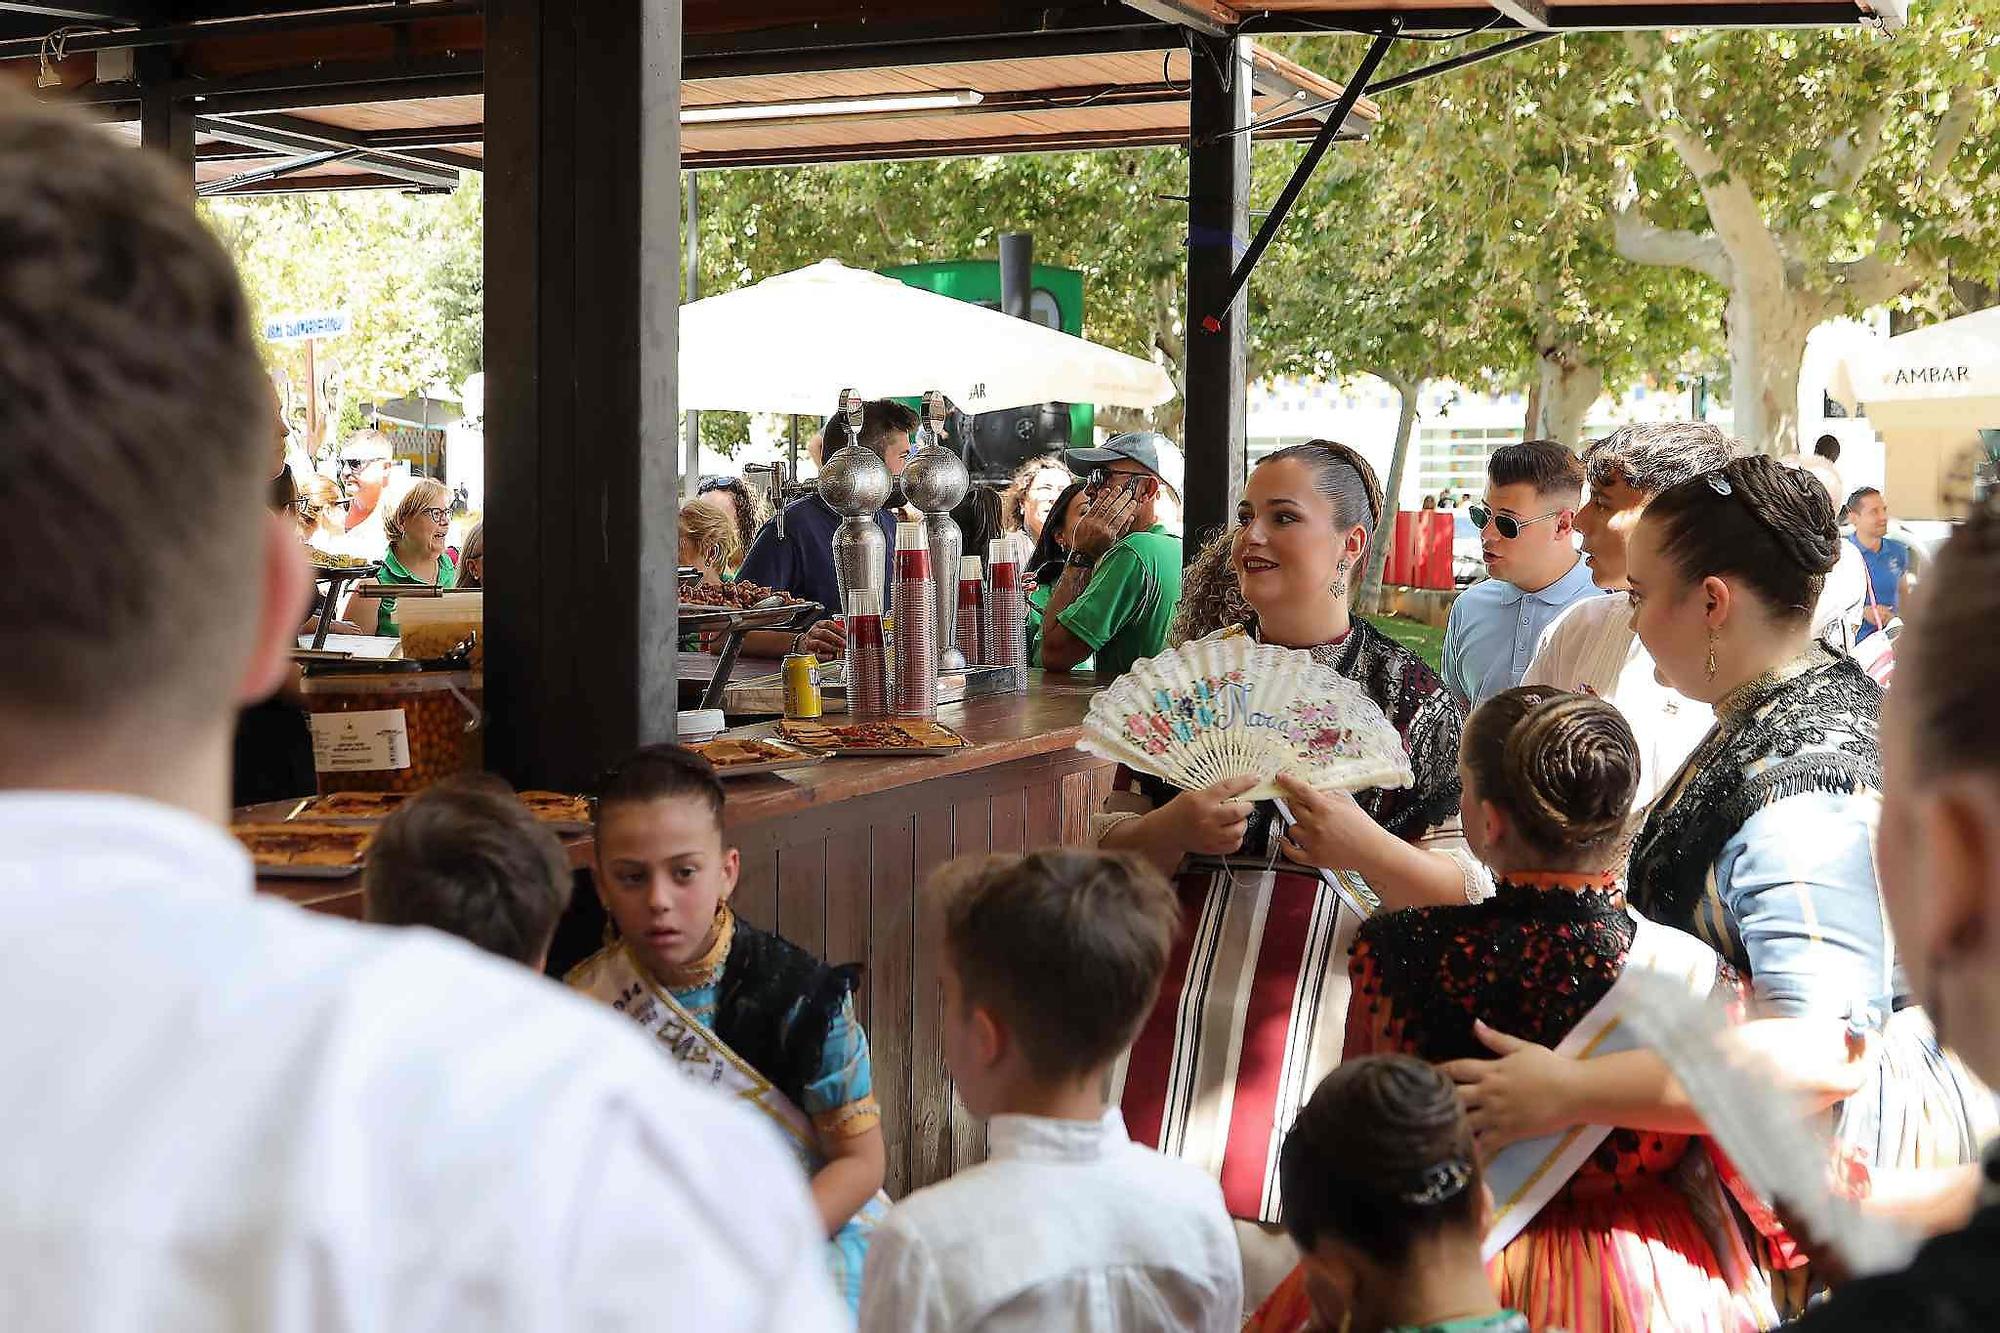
point(304, 849)
point(565, 814)
point(893, 738)
point(748, 758)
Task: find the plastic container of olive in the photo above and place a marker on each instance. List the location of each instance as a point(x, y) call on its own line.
point(394, 731)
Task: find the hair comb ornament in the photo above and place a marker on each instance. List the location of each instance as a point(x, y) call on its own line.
point(1718, 483)
point(1445, 1181)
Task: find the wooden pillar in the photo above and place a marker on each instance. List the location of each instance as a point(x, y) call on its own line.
point(1218, 229)
point(166, 122)
point(583, 275)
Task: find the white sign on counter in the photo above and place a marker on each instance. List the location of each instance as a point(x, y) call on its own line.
point(370, 741)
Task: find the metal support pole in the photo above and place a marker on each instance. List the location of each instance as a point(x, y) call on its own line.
point(691, 291)
point(583, 257)
point(1218, 220)
point(1212, 316)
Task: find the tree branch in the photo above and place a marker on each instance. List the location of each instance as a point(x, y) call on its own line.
point(1643, 243)
point(1850, 156)
point(1875, 278)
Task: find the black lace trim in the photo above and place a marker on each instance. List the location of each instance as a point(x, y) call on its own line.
point(1821, 731)
point(1529, 961)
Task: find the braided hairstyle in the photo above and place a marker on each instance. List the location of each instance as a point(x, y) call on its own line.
point(1769, 526)
point(1945, 681)
point(1563, 766)
point(1380, 1157)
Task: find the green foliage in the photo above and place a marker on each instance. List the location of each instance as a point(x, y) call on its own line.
point(407, 268)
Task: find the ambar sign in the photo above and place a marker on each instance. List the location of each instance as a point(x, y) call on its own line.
point(1932, 374)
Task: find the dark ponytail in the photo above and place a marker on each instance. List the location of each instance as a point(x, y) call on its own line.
point(1769, 526)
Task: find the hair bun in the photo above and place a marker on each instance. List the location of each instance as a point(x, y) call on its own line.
point(1570, 767)
point(1794, 505)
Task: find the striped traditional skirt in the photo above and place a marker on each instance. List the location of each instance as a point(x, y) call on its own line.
point(1251, 1015)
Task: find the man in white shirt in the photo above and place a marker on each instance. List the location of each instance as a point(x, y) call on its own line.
point(1050, 963)
point(1591, 648)
point(223, 1112)
point(1527, 535)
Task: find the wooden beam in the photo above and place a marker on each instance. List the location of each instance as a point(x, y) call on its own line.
point(1215, 364)
point(583, 237)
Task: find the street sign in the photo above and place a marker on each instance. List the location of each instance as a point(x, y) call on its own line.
point(298, 328)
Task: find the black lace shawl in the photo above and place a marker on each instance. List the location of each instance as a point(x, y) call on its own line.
point(1819, 731)
point(1529, 961)
point(763, 981)
point(1417, 704)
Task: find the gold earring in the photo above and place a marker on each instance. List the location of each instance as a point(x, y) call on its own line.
point(1711, 654)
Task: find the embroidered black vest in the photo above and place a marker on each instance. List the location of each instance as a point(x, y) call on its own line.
point(763, 980)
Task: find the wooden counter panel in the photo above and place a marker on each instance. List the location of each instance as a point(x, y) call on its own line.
point(853, 880)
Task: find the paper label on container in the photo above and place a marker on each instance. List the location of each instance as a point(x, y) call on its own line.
point(360, 742)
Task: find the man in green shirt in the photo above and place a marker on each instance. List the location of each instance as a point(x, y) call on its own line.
point(1122, 581)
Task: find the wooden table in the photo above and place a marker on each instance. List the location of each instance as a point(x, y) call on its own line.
point(837, 857)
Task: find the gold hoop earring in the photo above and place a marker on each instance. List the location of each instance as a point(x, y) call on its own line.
point(1711, 654)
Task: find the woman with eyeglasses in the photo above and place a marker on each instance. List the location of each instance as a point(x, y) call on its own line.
point(1763, 847)
point(417, 531)
point(1251, 1016)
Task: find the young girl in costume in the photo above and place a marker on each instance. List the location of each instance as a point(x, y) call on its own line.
point(1594, 1230)
point(736, 1008)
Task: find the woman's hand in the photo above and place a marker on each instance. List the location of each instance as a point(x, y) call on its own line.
point(1522, 1095)
point(1212, 821)
point(1329, 827)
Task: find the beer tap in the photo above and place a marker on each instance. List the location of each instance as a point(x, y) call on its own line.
point(855, 483)
point(935, 480)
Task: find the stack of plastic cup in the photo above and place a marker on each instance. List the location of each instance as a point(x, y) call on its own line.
point(972, 609)
point(913, 682)
point(867, 657)
point(1007, 613)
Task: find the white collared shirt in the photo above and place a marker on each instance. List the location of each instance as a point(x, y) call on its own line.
point(1068, 1225)
point(222, 1112)
point(1592, 649)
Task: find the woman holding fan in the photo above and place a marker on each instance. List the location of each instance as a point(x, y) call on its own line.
point(1253, 1007)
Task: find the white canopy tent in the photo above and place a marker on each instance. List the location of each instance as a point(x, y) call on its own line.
point(1928, 393)
point(793, 342)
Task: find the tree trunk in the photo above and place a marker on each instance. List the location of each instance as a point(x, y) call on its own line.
point(1567, 388)
point(1385, 529)
point(1769, 321)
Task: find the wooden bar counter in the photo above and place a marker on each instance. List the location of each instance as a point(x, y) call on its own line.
point(835, 859)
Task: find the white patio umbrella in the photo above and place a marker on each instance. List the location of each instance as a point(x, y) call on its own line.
point(1928, 393)
point(793, 342)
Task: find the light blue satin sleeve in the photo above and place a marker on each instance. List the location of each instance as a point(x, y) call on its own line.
point(1798, 890)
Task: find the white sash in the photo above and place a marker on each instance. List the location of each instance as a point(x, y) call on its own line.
point(614, 978)
point(1525, 1176)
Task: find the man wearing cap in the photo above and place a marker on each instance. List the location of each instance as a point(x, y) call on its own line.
point(1122, 579)
point(363, 473)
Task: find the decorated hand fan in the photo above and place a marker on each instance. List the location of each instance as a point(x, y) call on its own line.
point(1224, 708)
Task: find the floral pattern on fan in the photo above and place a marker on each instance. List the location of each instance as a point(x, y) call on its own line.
point(1231, 707)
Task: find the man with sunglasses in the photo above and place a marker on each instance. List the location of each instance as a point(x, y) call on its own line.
point(1122, 579)
point(362, 468)
point(1527, 532)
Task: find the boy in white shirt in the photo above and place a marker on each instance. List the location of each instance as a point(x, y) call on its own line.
point(1051, 962)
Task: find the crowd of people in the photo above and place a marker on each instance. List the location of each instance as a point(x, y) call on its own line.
point(1335, 1061)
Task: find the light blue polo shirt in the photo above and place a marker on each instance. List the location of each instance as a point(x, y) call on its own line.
point(1494, 628)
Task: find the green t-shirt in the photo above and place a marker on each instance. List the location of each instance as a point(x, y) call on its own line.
point(1125, 609)
point(1038, 606)
point(394, 572)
